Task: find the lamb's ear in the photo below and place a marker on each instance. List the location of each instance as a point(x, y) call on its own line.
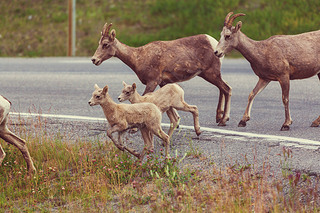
point(105, 90)
point(96, 87)
point(134, 86)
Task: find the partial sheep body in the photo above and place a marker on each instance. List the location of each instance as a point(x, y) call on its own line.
point(167, 98)
point(145, 116)
point(11, 138)
point(163, 62)
point(279, 58)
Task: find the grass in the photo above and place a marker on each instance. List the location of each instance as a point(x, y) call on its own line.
point(40, 28)
point(93, 176)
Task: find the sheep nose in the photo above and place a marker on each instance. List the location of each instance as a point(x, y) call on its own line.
point(93, 60)
point(216, 52)
point(119, 99)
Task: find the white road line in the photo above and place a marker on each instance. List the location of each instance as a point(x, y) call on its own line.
point(289, 141)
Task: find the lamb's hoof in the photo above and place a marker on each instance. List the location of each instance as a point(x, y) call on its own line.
point(285, 128)
point(242, 123)
point(314, 124)
point(133, 130)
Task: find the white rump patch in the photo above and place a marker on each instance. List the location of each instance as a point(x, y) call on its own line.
point(214, 44)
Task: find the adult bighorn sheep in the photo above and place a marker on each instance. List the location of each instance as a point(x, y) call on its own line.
point(162, 62)
point(279, 58)
point(145, 116)
point(11, 138)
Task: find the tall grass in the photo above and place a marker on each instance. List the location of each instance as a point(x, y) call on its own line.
point(91, 176)
point(40, 29)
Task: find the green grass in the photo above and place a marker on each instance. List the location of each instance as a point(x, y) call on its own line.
point(93, 176)
point(40, 28)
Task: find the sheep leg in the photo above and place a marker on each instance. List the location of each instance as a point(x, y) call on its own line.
point(214, 77)
point(2, 154)
point(316, 122)
point(148, 141)
point(132, 151)
point(150, 87)
point(220, 107)
point(173, 121)
point(156, 129)
point(261, 84)
point(285, 86)
point(110, 131)
point(119, 145)
point(182, 105)
point(11, 138)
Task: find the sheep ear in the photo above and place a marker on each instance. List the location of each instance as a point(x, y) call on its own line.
point(105, 90)
point(112, 35)
point(96, 87)
point(134, 86)
point(239, 25)
point(124, 83)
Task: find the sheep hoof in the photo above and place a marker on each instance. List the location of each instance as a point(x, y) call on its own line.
point(242, 123)
point(222, 124)
point(133, 130)
point(198, 132)
point(314, 124)
point(285, 128)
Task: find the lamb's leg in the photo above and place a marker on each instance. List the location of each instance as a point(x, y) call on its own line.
point(182, 105)
point(173, 121)
point(148, 142)
point(11, 138)
point(157, 130)
point(258, 88)
point(132, 151)
point(2, 154)
point(120, 146)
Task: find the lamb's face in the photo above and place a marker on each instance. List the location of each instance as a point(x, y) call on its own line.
point(126, 93)
point(97, 96)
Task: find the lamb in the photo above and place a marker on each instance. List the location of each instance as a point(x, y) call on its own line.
point(167, 98)
point(279, 58)
point(163, 62)
point(11, 138)
point(121, 117)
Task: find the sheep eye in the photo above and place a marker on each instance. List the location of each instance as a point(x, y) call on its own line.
point(227, 37)
point(104, 46)
point(127, 93)
point(98, 97)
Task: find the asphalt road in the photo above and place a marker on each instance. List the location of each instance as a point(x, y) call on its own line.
point(63, 86)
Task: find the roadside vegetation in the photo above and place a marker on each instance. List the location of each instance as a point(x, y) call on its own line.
point(39, 28)
point(93, 176)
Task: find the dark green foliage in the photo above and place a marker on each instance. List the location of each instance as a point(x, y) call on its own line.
point(43, 25)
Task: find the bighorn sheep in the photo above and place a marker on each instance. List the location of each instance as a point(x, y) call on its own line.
point(11, 138)
point(167, 98)
point(163, 62)
point(145, 116)
point(279, 58)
